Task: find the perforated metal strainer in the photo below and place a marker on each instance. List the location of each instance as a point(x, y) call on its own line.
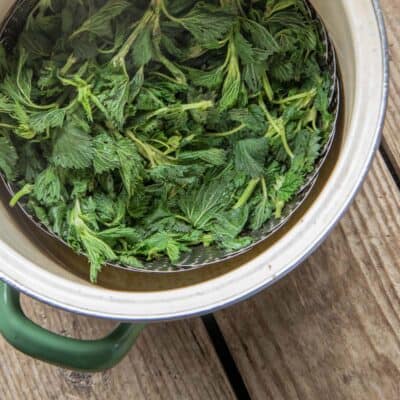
point(199, 256)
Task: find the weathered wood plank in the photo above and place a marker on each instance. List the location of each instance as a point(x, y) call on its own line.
point(331, 329)
point(170, 361)
point(391, 141)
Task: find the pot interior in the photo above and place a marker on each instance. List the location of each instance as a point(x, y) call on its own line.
point(39, 253)
point(48, 253)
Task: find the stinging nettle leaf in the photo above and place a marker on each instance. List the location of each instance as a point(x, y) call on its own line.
point(73, 147)
point(260, 36)
point(105, 157)
point(202, 204)
point(8, 157)
point(131, 165)
point(215, 156)
point(40, 121)
point(250, 156)
point(232, 86)
point(142, 50)
point(206, 22)
point(97, 22)
point(261, 214)
point(48, 187)
point(212, 79)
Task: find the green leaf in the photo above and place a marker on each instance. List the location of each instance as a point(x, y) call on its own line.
point(250, 156)
point(212, 79)
point(285, 187)
point(106, 208)
point(283, 70)
point(136, 84)
point(73, 146)
point(8, 158)
point(142, 50)
point(260, 36)
point(40, 121)
point(35, 43)
point(113, 92)
point(80, 182)
point(130, 165)
point(231, 223)
point(7, 106)
point(252, 117)
point(130, 261)
point(138, 205)
point(31, 162)
point(105, 156)
point(48, 187)
point(232, 86)
point(280, 5)
point(176, 174)
point(236, 244)
point(58, 216)
point(244, 48)
point(98, 22)
point(202, 204)
point(98, 251)
point(206, 22)
point(261, 214)
point(216, 157)
point(161, 243)
point(307, 149)
point(252, 76)
point(128, 234)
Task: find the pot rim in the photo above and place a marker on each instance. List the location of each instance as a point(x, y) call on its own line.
point(11, 256)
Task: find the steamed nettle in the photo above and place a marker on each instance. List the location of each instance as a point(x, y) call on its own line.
point(139, 129)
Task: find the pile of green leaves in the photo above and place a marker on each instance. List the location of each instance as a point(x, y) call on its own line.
point(138, 129)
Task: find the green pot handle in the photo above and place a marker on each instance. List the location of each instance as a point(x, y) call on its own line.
point(83, 355)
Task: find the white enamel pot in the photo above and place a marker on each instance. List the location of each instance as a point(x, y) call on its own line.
point(45, 270)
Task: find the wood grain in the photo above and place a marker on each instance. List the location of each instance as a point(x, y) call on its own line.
point(170, 361)
point(331, 329)
point(391, 141)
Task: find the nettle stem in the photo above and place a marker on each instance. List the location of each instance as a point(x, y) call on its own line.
point(147, 18)
point(27, 189)
point(278, 128)
point(244, 198)
point(165, 11)
point(264, 188)
point(8, 126)
point(309, 95)
point(228, 133)
point(149, 152)
point(68, 65)
point(143, 149)
point(267, 87)
point(201, 105)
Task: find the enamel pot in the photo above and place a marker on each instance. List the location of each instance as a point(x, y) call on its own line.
point(34, 264)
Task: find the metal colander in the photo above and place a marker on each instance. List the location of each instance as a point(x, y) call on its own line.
point(200, 256)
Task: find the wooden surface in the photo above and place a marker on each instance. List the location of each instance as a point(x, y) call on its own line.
point(330, 330)
point(169, 361)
